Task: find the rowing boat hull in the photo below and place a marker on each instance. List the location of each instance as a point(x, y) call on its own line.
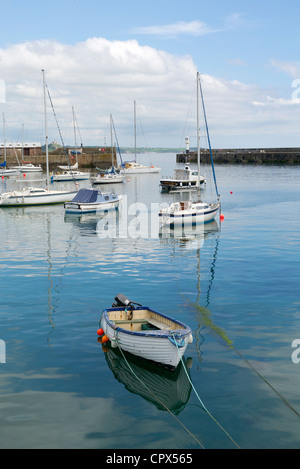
point(162, 346)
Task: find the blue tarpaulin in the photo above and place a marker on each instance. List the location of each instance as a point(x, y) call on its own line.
point(87, 196)
point(3, 164)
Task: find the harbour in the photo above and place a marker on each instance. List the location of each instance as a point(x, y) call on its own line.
point(234, 283)
point(250, 156)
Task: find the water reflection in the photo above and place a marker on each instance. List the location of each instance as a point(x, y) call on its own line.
point(166, 389)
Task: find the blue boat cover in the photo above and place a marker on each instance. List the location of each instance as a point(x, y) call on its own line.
point(87, 196)
point(3, 164)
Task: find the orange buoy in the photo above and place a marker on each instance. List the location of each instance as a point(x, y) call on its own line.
point(105, 339)
point(221, 217)
point(100, 332)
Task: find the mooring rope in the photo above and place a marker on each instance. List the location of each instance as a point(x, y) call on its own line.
point(159, 400)
point(200, 400)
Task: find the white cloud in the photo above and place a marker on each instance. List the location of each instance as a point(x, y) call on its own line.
point(100, 77)
point(290, 68)
point(192, 28)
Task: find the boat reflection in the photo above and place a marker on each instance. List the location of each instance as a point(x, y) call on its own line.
point(166, 389)
point(188, 234)
point(96, 224)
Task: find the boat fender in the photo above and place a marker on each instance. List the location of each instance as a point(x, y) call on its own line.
point(105, 339)
point(190, 339)
point(113, 343)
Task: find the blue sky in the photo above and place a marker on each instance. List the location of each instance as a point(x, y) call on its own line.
point(100, 56)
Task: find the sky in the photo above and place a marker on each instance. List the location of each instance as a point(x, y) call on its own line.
point(100, 57)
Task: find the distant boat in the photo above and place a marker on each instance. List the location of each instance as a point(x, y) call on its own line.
point(6, 172)
point(110, 176)
point(70, 176)
point(184, 179)
point(188, 212)
point(71, 173)
point(132, 167)
point(28, 168)
point(34, 195)
point(29, 196)
point(145, 333)
point(3, 169)
point(92, 201)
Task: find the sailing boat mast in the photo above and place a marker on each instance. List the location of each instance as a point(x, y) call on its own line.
point(198, 132)
point(135, 131)
point(4, 137)
point(46, 129)
point(112, 143)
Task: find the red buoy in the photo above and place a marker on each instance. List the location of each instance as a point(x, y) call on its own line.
point(221, 217)
point(100, 331)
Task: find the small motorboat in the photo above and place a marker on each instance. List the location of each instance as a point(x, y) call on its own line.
point(144, 332)
point(92, 201)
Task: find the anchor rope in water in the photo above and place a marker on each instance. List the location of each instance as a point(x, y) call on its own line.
point(229, 343)
point(201, 402)
point(157, 398)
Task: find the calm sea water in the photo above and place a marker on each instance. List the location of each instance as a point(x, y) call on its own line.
point(237, 282)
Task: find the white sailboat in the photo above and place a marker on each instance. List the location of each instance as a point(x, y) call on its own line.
point(35, 195)
point(133, 167)
point(26, 167)
point(71, 173)
point(111, 176)
point(3, 169)
point(188, 212)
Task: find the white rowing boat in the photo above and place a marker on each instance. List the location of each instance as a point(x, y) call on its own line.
point(145, 333)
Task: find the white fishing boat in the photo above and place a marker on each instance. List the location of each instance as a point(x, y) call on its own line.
point(35, 195)
point(189, 212)
point(111, 176)
point(145, 333)
point(92, 201)
point(184, 179)
point(132, 167)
